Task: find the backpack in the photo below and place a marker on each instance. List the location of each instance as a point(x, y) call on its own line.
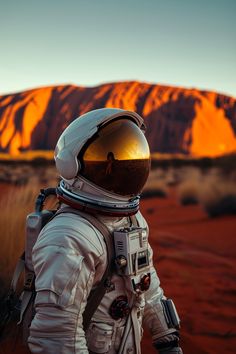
point(20, 307)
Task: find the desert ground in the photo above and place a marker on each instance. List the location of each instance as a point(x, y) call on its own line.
point(194, 253)
point(195, 260)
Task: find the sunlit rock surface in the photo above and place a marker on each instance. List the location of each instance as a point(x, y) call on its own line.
point(178, 120)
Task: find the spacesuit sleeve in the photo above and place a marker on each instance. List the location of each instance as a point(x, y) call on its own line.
point(65, 274)
point(165, 337)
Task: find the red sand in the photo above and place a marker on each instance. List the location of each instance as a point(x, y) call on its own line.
point(195, 259)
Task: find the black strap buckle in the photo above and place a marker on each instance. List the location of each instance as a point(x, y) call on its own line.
point(29, 281)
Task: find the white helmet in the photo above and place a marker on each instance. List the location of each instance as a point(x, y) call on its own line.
point(104, 160)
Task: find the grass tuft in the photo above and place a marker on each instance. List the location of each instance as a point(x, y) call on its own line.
point(188, 188)
point(15, 204)
point(155, 187)
point(218, 197)
point(188, 192)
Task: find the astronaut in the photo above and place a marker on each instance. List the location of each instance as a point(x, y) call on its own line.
point(103, 159)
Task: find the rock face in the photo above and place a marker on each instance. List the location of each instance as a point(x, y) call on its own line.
point(178, 120)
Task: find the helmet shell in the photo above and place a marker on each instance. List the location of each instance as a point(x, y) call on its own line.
point(79, 132)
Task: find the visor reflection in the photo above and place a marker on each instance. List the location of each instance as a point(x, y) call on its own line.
point(118, 158)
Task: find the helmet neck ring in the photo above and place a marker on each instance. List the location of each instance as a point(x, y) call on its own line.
point(86, 204)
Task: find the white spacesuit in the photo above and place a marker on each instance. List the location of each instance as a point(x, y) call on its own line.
point(104, 160)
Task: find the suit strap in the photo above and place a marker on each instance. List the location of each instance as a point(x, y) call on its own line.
point(96, 294)
point(134, 220)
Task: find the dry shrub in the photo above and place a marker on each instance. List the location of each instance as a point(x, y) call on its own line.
point(21, 174)
point(188, 192)
point(214, 191)
point(188, 189)
point(14, 206)
point(192, 174)
point(156, 185)
point(172, 177)
point(218, 196)
point(157, 173)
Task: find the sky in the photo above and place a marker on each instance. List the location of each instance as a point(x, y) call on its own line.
point(184, 43)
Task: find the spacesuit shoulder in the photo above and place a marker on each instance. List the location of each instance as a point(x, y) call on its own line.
point(72, 232)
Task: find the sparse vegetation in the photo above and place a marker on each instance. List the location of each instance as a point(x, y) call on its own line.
point(188, 188)
point(15, 205)
point(188, 192)
point(212, 189)
point(224, 162)
point(20, 184)
point(156, 185)
point(21, 173)
point(218, 197)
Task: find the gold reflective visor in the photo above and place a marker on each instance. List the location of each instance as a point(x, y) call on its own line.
point(117, 158)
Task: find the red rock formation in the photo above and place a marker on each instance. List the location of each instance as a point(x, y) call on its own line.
point(178, 120)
